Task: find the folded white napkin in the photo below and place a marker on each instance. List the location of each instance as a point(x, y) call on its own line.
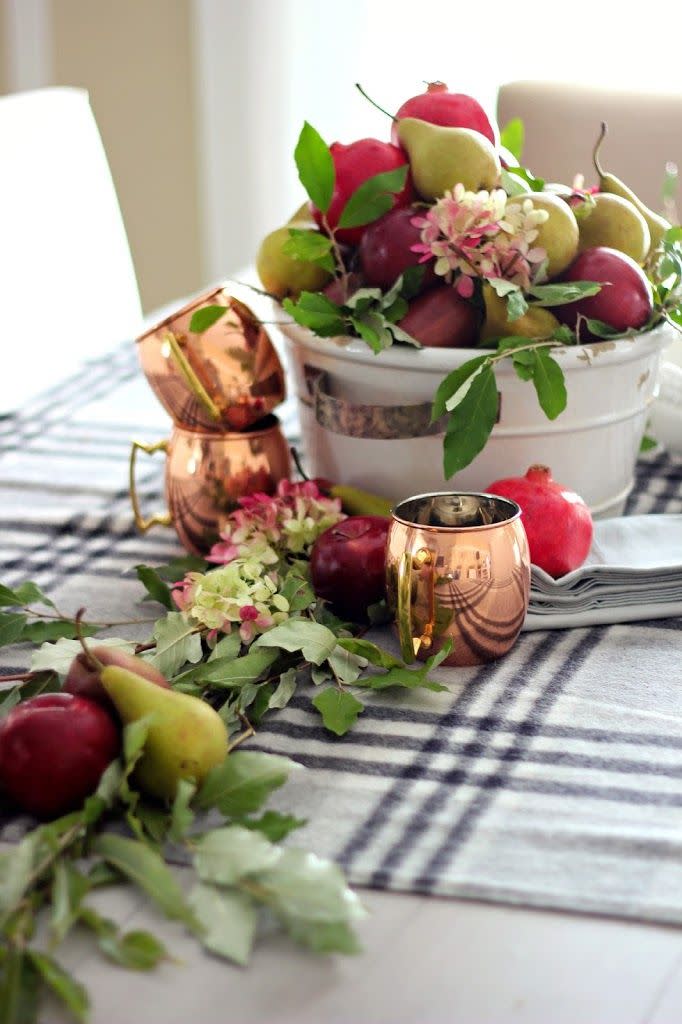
point(633, 571)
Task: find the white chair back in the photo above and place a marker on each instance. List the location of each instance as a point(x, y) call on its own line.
point(68, 290)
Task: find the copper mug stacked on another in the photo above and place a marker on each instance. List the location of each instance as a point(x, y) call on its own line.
point(216, 372)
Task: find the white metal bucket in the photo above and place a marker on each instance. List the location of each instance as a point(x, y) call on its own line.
point(591, 447)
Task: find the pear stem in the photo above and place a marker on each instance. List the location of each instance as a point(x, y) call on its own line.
point(595, 153)
point(297, 462)
point(92, 661)
point(373, 102)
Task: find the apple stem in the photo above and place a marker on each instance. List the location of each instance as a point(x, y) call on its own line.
point(595, 153)
point(373, 102)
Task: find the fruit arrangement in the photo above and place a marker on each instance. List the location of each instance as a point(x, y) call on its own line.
point(441, 238)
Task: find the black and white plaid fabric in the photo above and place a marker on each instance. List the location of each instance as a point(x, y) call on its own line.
point(551, 778)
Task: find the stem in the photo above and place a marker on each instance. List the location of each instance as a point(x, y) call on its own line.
point(373, 102)
point(595, 153)
point(537, 343)
point(297, 462)
point(247, 734)
point(145, 647)
point(91, 661)
point(69, 836)
point(20, 677)
point(86, 622)
point(338, 258)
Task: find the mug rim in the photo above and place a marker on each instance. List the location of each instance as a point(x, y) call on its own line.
point(516, 512)
point(197, 301)
point(265, 425)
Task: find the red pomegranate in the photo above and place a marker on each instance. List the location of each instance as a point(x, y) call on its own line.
point(557, 521)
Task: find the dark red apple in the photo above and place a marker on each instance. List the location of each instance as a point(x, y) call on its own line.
point(348, 565)
point(353, 165)
point(442, 319)
point(385, 250)
point(83, 680)
point(450, 109)
point(53, 751)
point(625, 299)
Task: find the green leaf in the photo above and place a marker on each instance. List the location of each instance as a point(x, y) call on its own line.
point(229, 922)
point(177, 642)
point(534, 184)
point(67, 989)
point(12, 698)
point(346, 665)
point(225, 855)
point(324, 937)
point(286, 688)
point(176, 569)
point(369, 651)
point(204, 318)
point(156, 588)
point(310, 247)
point(410, 678)
point(25, 594)
point(564, 334)
point(339, 709)
point(516, 305)
point(647, 444)
point(57, 657)
point(39, 631)
point(303, 887)
point(512, 137)
point(599, 328)
point(154, 822)
point(182, 815)
point(371, 328)
point(560, 294)
point(673, 235)
point(227, 647)
point(136, 950)
point(450, 385)
point(69, 887)
point(513, 185)
point(313, 640)
point(19, 988)
point(470, 423)
point(274, 825)
point(317, 312)
point(315, 167)
point(15, 871)
point(145, 868)
point(373, 198)
point(231, 672)
point(243, 782)
point(548, 378)
point(11, 627)
point(297, 589)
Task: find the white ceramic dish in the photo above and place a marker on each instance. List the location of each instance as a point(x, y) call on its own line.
point(592, 446)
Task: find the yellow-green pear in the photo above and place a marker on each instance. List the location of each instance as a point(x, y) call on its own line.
point(614, 222)
point(282, 275)
point(186, 737)
point(538, 322)
point(441, 158)
point(656, 224)
point(558, 235)
point(302, 218)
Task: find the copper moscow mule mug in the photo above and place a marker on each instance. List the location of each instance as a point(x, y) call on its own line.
point(226, 377)
point(457, 567)
point(206, 474)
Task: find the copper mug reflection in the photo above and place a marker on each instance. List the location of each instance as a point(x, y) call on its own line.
point(224, 377)
point(457, 567)
point(206, 474)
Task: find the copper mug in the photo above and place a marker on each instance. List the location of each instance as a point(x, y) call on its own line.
point(226, 377)
point(205, 476)
point(458, 568)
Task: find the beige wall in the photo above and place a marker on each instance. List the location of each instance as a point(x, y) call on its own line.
point(135, 59)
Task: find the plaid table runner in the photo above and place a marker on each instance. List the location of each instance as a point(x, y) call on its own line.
point(551, 778)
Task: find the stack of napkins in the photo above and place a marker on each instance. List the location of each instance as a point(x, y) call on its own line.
point(633, 572)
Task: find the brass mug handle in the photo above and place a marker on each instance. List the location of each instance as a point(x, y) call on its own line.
point(161, 518)
point(190, 377)
point(409, 644)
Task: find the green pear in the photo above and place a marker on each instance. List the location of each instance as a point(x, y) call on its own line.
point(282, 275)
point(538, 322)
point(656, 224)
point(441, 158)
point(614, 222)
point(558, 236)
point(186, 737)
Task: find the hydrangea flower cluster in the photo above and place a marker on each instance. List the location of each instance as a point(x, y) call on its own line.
point(482, 234)
point(244, 589)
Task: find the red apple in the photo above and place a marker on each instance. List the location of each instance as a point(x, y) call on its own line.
point(625, 299)
point(353, 165)
point(53, 751)
point(385, 250)
point(449, 109)
point(442, 319)
point(348, 565)
point(83, 680)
